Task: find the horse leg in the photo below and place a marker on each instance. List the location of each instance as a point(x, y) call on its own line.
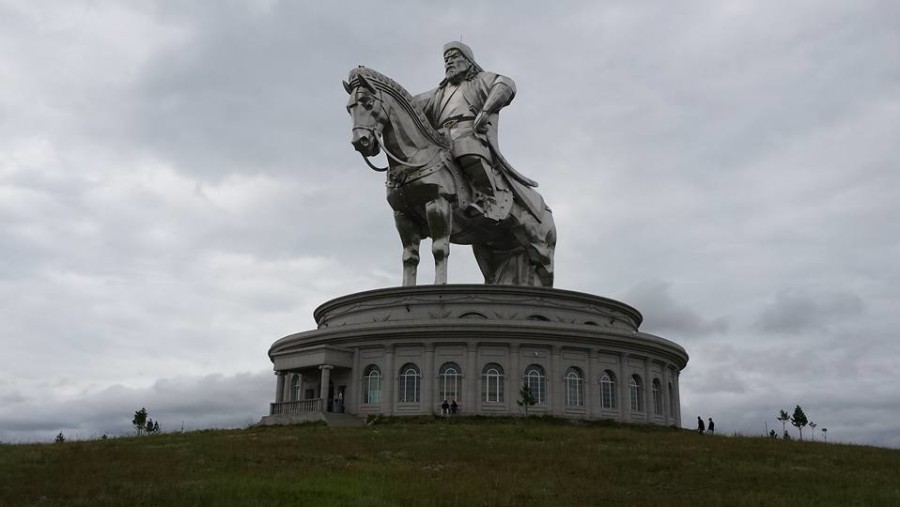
point(410, 238)
point(484, 255)
point(439, 214)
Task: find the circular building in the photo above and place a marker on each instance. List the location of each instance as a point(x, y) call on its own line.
point(407, 350)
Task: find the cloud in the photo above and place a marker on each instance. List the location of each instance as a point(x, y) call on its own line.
point(796, 311)
point(664, 314)
point(177, 188)
point(210, 401)
point(848, 416)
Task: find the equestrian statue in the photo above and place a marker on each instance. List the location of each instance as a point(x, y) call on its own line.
point(446, 177)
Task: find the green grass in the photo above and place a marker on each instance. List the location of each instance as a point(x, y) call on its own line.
point(462, 462)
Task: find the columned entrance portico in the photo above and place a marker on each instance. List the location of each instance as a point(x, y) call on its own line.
point(311, 384)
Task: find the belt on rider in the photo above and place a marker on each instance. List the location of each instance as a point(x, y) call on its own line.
point(454, 120)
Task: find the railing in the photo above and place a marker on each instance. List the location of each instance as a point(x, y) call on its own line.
point(296, 407)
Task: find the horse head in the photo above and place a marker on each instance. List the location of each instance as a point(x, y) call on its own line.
point(367, 110)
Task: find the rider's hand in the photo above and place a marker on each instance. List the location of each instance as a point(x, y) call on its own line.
point(481, 122)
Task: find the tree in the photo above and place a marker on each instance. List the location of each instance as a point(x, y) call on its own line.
point(799, 420)
point(784, 417)
point(825, 434)
point(813, 431)
point(526, 398)
point(140, 420)
point(152, 426)
point(60, 439)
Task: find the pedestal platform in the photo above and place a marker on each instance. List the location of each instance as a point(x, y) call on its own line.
point(405, 350)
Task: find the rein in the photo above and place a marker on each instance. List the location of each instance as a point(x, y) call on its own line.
point(388, 152)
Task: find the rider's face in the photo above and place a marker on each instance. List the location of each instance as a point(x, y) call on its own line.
point(455, 65)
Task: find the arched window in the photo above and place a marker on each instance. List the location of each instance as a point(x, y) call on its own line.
point(295, 388)
point(657, 397)
point(636, 388)
point(372, 385)
point(450, 382)
point(608, 390)
point(492, 383)
point(409, 384)
point(574, 387)
point(535, 380)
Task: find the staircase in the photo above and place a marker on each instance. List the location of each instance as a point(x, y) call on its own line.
point(343, 420)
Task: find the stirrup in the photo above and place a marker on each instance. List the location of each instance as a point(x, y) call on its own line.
point(474, 210)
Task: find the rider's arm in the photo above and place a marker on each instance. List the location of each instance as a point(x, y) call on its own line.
point(500, 91)
point(500, 94)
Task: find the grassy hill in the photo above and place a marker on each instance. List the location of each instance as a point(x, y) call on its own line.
point(448, 462)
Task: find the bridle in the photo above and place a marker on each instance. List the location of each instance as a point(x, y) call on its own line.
point(377, 137)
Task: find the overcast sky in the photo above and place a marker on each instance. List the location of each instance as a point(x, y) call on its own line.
point(178, 191)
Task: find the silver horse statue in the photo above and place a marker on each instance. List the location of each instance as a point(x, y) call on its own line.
point(429, 193)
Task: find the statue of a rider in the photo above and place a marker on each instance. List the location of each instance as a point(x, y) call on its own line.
point(465, 107)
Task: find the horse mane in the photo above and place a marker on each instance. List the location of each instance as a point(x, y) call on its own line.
point(403, 98)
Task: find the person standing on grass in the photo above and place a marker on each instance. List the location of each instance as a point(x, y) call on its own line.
point(445, 408)
point(453, 407)
point(711, 428)
point(700, 426)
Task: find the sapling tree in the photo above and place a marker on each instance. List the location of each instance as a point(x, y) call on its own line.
point(813, 425)
point(152, 426)
point(60, 439)
point(526, 398)
point(799, 420)
point(784, 417)
point(140, 421)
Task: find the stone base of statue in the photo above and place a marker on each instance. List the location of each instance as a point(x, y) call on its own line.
point(459, 350)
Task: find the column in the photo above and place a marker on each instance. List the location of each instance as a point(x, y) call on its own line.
point(428, 383)
point(326, 379)
point(471, 379)
point(355, 384)
point(624, 394)
point(677, 388)
point(279, 387)
point(556, 386)
point(666, 402)
point(387, 395)
point(515, 376)
point(670, 394)
point(591, 385)
point(648, 390)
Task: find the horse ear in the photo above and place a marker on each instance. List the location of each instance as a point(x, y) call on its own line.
point(347, 87)
point(365, 83)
